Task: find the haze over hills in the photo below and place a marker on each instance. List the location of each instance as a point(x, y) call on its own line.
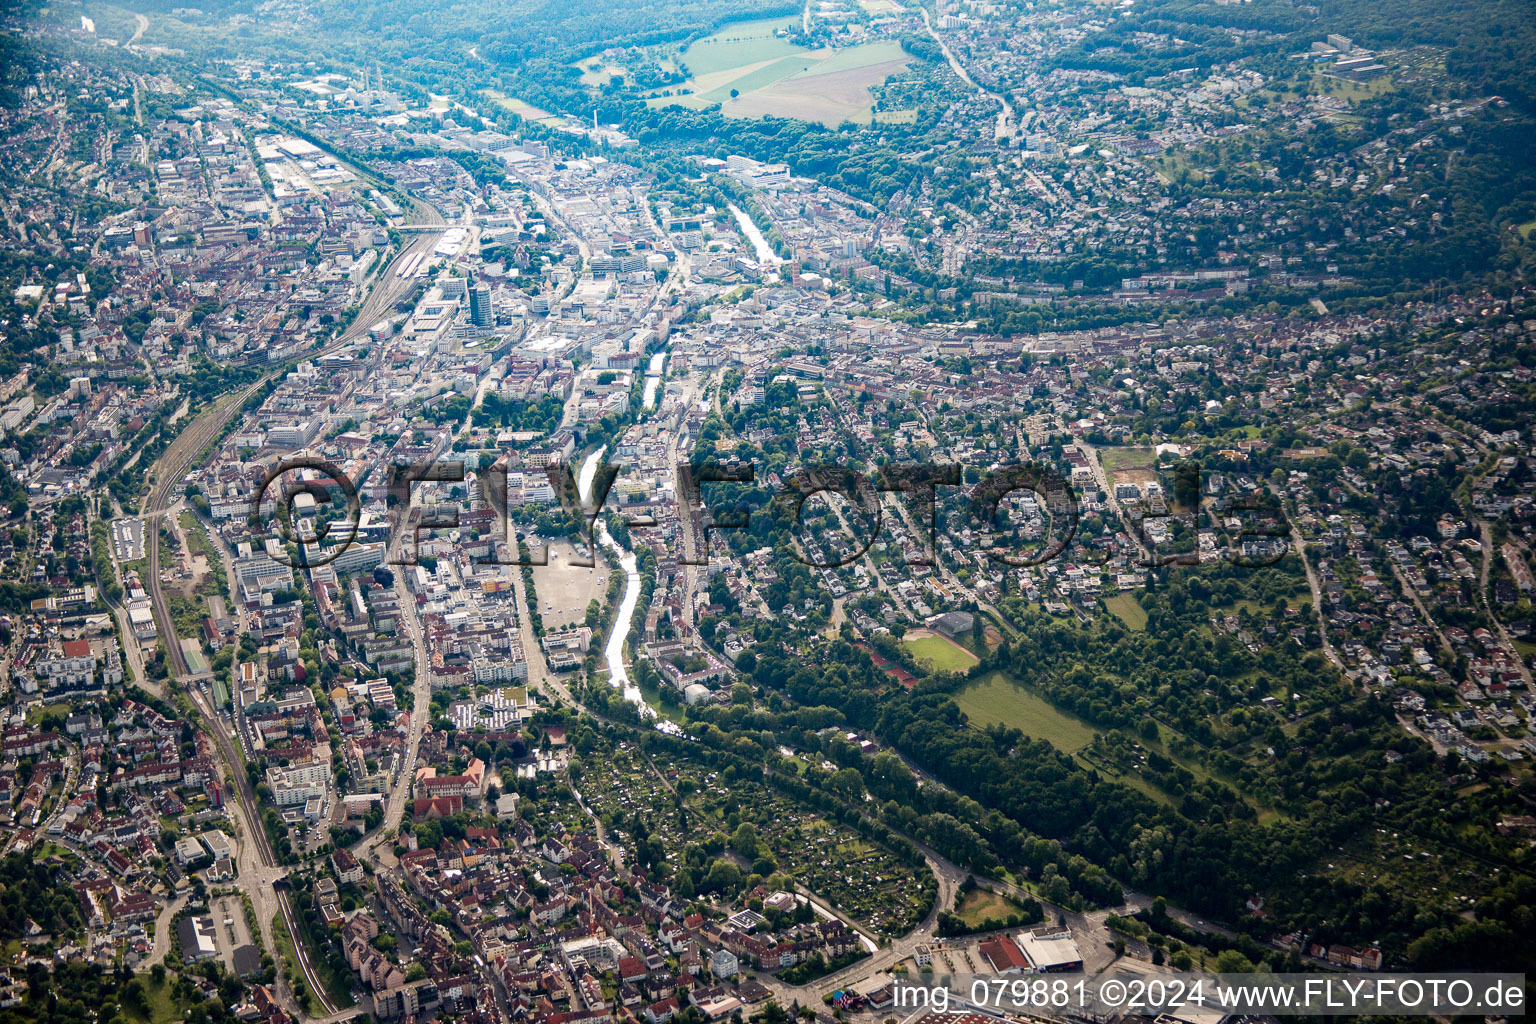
point(702, 510)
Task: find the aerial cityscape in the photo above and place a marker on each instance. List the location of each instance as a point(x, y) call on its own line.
point(693, 510)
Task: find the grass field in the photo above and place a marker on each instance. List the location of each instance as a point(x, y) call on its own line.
point(1253, 607)
point(752, 71)
point(1128, 611)
point(1175, 165)
point(526, 111)
point(1351, 91)
point(940, 653)
point(982, 905)
point(1527, 229)
point(671, 712)
point(996, 698)
point(112, 22)
point(740, 44)
point(1127, 458)
point(287, 958)
point(1129, 465)
point(599, 71)
point(162, 1005)
point(595, 72)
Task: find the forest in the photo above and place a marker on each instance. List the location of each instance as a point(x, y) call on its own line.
point(1490, 42)
point(28, 896)
point(1209, 851)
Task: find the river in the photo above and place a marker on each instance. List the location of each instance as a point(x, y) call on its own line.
point(653, 380)
point(765, 254)
point(613, 654)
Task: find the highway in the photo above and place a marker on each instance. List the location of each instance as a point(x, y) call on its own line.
point(259, 870)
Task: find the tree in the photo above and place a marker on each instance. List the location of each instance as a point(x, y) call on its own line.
point(723, 877)
point(1230, 961)
point(133, 994)
point(1186, 484)
point(745, 840)
point(848, 783)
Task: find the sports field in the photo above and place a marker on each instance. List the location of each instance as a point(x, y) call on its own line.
point(938, 652)
point(526, 111)
point(998, 699)
point(751, 70)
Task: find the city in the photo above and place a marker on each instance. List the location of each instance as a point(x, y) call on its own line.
point(705, 511)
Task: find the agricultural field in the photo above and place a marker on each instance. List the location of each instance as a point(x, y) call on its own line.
point(753, 71)
point(938, 652)
point(998, 699)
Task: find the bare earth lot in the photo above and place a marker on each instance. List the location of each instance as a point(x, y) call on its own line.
point(565, 589)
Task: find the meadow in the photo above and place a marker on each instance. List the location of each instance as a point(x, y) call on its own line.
point(1129, 465)
point(1128, 610)
point(981, 907)
point(998, 699)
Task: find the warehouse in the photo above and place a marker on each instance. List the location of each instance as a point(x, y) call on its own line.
point(1051, 951)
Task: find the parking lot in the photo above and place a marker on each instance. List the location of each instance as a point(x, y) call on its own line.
point(128, 538)
point(236, 948)
point(564, 590)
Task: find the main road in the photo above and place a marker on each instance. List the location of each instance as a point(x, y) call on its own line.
point(1005, 118)
point(421, 696)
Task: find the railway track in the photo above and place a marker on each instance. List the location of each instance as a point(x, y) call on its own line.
point(167, 474)
point(178, 458)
